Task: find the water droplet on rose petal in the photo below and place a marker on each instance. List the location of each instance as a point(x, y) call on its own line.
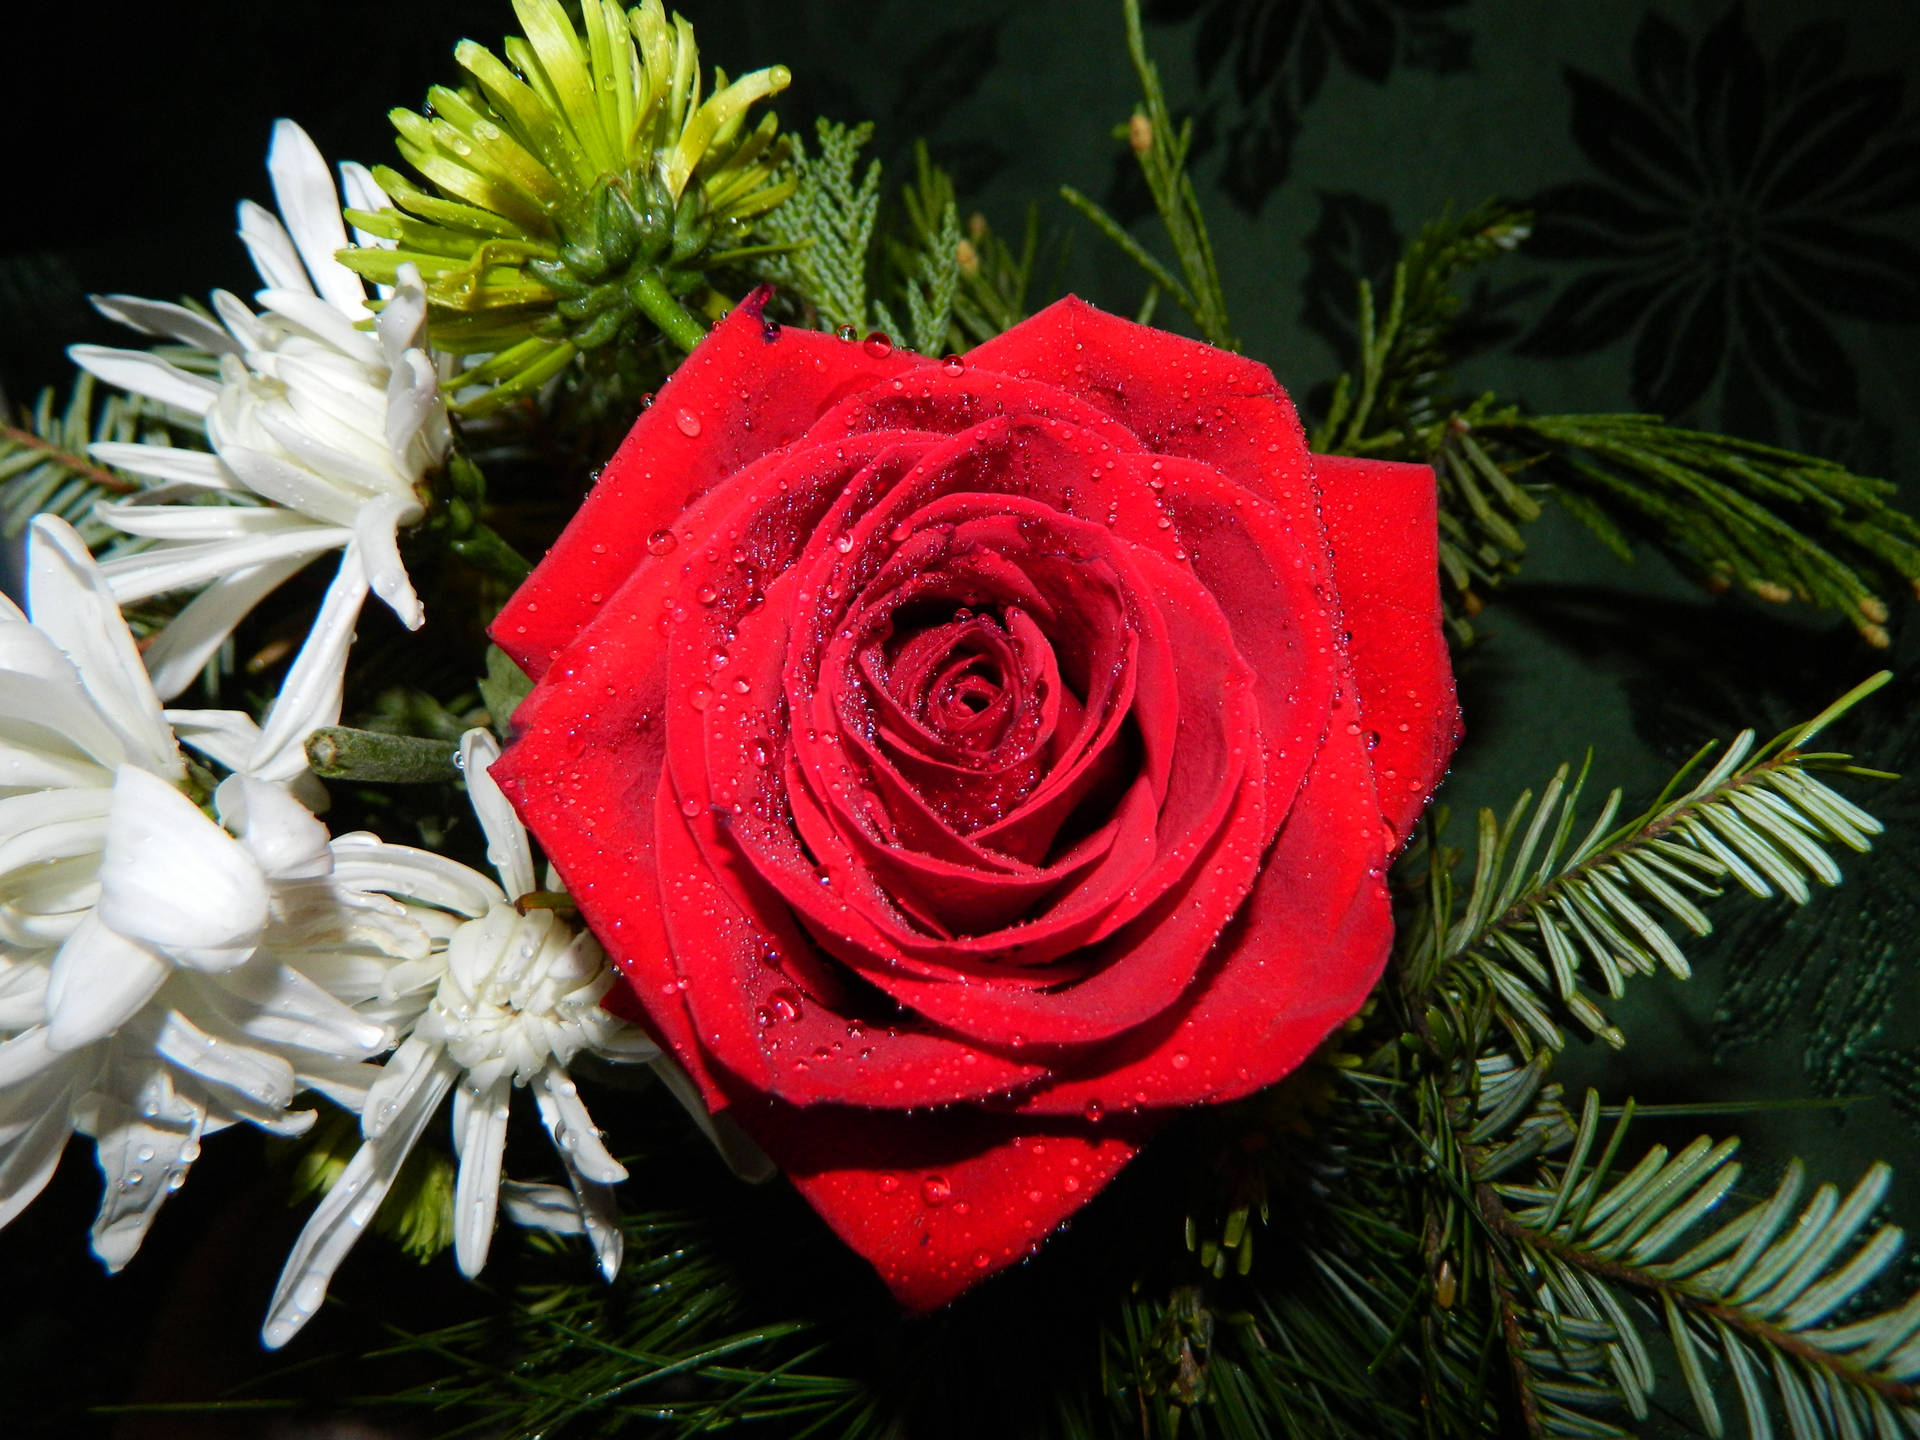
point(688, 423)
point(1094, 1111)
point(1179, 1060)
point(889, 1184)
point(846, 332)
point(661, 542)
point(953, 364)
point(646, 401)
point(785, 1004)
point(877, 345)
point(935, 1189)
point(700, 697)
point(981, 1260)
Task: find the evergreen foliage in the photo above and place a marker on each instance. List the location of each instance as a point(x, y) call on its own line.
point(1161, 148)
point(46, 467)
point(827, 223)
point(1781, 525)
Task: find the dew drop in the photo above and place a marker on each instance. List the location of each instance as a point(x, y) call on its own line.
point(953, 364)
point(661, 542)
point(688, 423)
point(981, 1260)
point(700, 697)
point(1094, 1111)
point(889, 1184)
point(646, 401)
point(1179, 1060)
point(935, 1190)
point(785, 1004)
point(877, 345)
point(846, 332)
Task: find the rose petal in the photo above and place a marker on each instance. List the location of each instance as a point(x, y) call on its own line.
point(939, 1202)
point(1299, 958)
point(747, 390)
point(1178, 396)
point(1383, 531)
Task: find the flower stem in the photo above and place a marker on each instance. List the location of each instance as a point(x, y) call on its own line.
point(482, 548)
point(656, 302)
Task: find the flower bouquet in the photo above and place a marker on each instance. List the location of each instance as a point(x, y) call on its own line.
point(855, 835)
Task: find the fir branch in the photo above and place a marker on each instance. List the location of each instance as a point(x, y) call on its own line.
point(829, 222)
point(1600, 1257)
point(995, 280)
point(1782, 525)
point(45, 467)
point(926, 259)
point(1398, 389)
point(1543, 918)
point(1161, 149)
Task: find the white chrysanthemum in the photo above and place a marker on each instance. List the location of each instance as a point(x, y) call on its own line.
point(154, 982)
point(507, 1001)
point(323, 434)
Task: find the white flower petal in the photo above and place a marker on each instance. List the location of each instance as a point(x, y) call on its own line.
point(572, 1128)
point(348, 1208)
point(190, 523)
point(73, 606)
point(541, 1207)
point(312, 313)
point(311, 693)
point(224, 736)
point(99, 982)
point(365, 862)
point(363, 192)
point(337, 455)
point(599, 1217)
point(30, 1153)
point(42, 826)
point(271, 247)
point(288, 485)
point(164, 568)
point(37, 766)
point(181, 651)
point(279, 1006)
point(173, 879)
point(345, 1082)
point(304, 192)
point(374, 531)
point(141, 1163)
point(249, 329)
point(199, 468)
point(507, 848)
point(25, 1056)
point(405, 1071)
point(402, 325)
point(276, 829)
point(176, 322)
point(418, 434)
point(258, 1076)
point(480, 1138)
point(23, 994)
point(148, 375)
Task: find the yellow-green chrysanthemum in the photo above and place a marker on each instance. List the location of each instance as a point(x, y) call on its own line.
point(580, 188)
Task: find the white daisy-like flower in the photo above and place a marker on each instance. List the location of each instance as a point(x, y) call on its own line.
point(323, 434)
point(507, 1000)
point(154, 980)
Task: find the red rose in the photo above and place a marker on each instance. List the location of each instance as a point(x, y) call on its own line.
point(968, 762)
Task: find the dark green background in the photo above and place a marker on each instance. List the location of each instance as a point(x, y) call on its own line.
point(1329, 130)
